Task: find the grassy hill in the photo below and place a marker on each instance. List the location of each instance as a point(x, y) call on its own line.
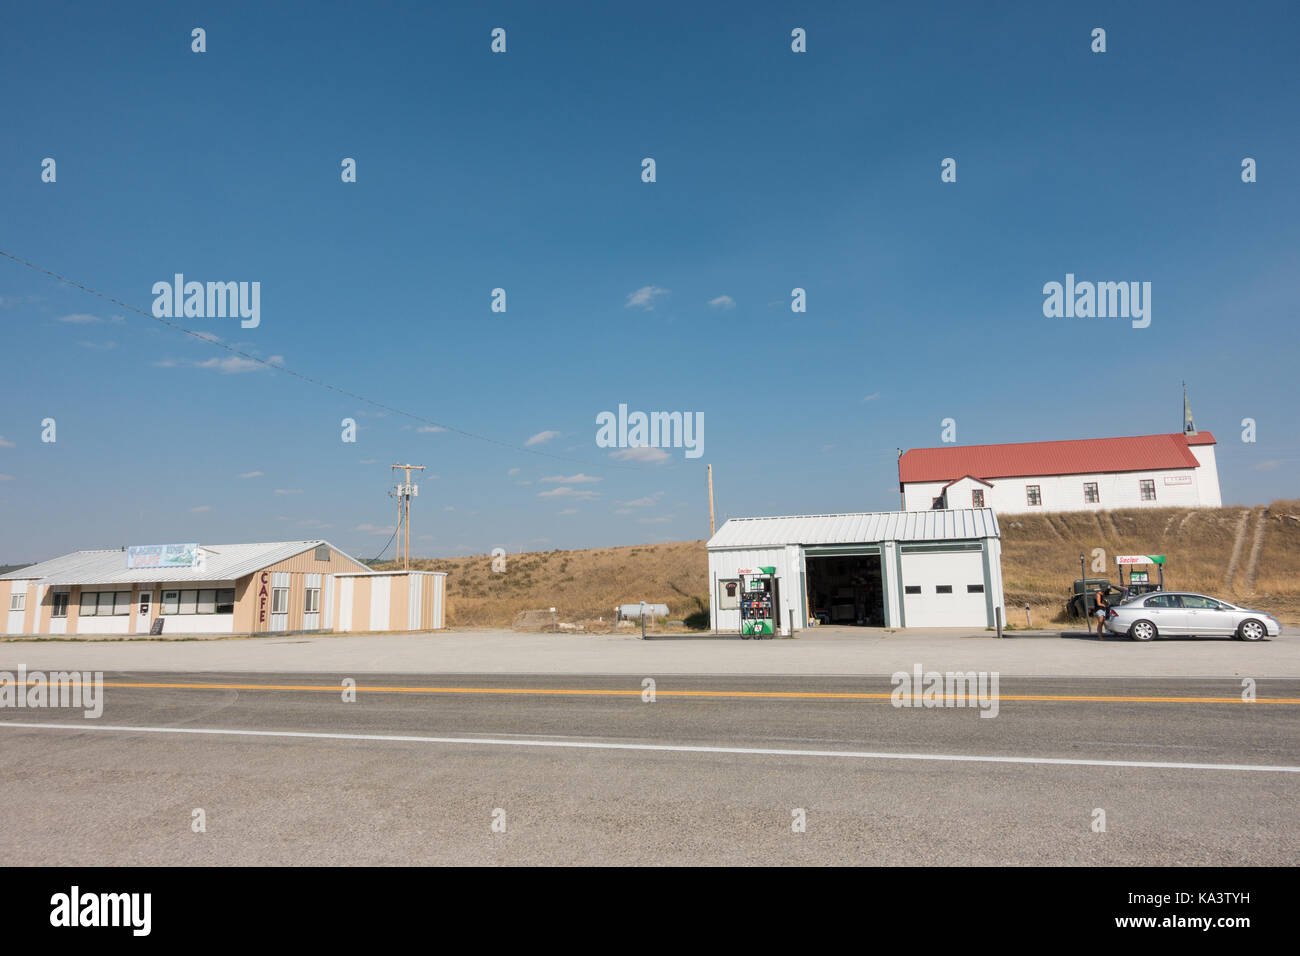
point(1247, 555)
point(581, 585)
point(1242, 554)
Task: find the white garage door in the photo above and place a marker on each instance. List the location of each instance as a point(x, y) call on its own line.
point(944, 589)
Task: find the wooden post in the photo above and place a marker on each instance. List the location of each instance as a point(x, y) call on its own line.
point(711, 526)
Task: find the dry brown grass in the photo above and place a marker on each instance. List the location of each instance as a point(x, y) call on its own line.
point(1040, 560)
point(1038, 567)
point(580, 585)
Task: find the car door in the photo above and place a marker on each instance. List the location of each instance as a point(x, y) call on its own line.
point(1166, 612)
point(1206, 616)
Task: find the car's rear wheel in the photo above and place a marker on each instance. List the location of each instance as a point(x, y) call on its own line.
point(1251, 630)
point(1142, 631)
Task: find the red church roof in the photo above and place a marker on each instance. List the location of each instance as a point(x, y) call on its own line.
point(1085, 456)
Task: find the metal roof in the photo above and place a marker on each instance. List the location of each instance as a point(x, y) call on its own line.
point(867, 527)
point(219, 562)
point(1087, 456)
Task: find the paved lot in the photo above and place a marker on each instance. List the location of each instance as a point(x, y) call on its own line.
point(821, 651)
point(585, 771)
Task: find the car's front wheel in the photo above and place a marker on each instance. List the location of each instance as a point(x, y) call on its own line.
point(1142, 631)
point(1251, 630)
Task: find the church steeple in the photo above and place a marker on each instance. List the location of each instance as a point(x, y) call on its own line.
point(1189, 425)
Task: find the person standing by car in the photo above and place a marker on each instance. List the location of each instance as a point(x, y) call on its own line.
point(1101, 614)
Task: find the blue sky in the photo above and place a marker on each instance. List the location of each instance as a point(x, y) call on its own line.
point(522, 170)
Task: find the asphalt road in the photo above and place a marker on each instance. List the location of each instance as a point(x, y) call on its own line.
point(604, 777)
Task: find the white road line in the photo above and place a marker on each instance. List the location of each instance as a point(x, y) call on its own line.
point(662, 748)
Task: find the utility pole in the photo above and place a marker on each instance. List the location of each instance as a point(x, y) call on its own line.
point(902, 498)
point(406, 491)
point(711, 527)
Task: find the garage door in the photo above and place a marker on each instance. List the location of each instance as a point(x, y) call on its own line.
point(944, 589)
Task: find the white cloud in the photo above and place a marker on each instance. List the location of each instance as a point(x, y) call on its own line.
point(872, 397)
point(564, 491)
point(230, 365)
point(313, 523)
point(79, 318)
point(569, 511)
point(644, 297)
point(623, 511)
point(104, 346)
point(288, 491)
point(5, 444)
point(723, 302)
point(430, 428)
point(512, 472)
point(647, 502)
point(7, 478)
point(644, 454)
point(663, 520)
point(374, 529)
point(251, 474)
point(206, 336)
point(201, 508)
point(577, 479)
point(368, 461)
point(1271, 464)
point(541, 437)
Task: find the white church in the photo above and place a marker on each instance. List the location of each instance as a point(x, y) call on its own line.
point(1090, 474)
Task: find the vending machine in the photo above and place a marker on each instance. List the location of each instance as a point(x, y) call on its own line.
point(758, 603)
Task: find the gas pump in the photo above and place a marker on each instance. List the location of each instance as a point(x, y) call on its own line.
point(1140, 578)
point(758, 604)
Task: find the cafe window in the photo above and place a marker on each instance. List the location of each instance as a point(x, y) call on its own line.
point(912, 589)
point(974, 589)
point(943, 589)
point(1090, 495)
point(225, 600)
point(189, 601)
point(322, 552)
point(279, 600)
point(105, 603)
point(977, 498)
point(312, 603)
point(171, 602)
point(207, 603)
point(1034, 494)
point(59, 604)
point(18, 601)
point(1148, 486)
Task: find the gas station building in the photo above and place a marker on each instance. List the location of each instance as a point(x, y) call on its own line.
point(897, 569)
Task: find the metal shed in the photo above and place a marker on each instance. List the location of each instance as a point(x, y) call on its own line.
point(934, 568)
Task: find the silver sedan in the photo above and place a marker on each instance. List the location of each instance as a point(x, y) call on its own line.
point(1179, 612)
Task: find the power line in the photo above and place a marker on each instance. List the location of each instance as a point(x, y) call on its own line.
point(396, 528)
point(205, 337)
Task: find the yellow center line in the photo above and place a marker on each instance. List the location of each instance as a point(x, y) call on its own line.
point(619, 692)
